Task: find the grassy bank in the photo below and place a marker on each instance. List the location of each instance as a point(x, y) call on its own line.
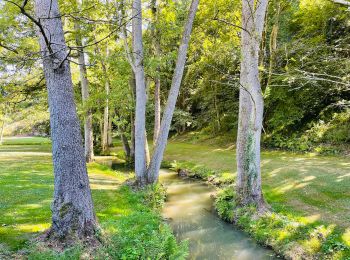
point(131, 225)
point(309, 195)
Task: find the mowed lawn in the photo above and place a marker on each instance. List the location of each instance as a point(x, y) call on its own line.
point(26, 189)
point(316, 188)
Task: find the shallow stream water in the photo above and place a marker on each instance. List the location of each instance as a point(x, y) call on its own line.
point(189, 208)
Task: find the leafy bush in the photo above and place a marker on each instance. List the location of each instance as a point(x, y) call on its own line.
point(224, 203)
point(287, 235)
point(334, 131)
point(144, 236)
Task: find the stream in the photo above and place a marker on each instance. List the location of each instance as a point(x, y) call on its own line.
point(189, 209)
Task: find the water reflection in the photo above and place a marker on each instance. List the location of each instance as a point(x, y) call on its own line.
point(189, 208)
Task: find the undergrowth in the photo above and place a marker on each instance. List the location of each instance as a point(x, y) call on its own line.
point(142, 234)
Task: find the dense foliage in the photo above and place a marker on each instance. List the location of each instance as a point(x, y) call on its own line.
point(304, 70)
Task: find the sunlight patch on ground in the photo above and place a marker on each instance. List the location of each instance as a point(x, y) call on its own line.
point(346, 237)
point(274, 172)
point(96, 186)
point(31, 228)
point(311, 219)
point(309, 178)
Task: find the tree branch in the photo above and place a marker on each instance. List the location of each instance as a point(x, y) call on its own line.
point(8, 48)
point(36, 22)
point(342, 2)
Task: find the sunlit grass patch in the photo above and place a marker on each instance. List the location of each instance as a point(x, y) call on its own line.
point(26, 141)
point(26, 190)
point(309, 196)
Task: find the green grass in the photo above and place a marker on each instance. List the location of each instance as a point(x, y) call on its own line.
point(310, 193)
point(316, 186)
point(26, 141)
point(130, 220)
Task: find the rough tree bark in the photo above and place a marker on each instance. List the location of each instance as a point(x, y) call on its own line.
point(72, 208)
point(153, 170)
point(250, 106)
point(88, 132)
point(157, 53)
point(140, 111)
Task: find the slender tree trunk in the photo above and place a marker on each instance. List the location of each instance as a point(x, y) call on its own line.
point(132, 85)
point(147, 154)
point(217, 109)
point(157, 110)
point(125, 142)
point(153, 170)
point(105, 120)
point(156, 46)
point(104, 144)
point(88, 132)
point(273, 47)
point(250, 107)
point(110, 131)
point(140, 111)
point(132, 148)
point(2, 128)
point(72, 207)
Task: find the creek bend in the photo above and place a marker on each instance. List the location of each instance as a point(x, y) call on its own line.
point(189, 208)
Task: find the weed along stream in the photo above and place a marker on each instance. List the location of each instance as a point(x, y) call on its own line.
point(189, 209)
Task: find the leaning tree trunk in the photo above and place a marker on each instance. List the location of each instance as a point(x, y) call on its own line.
point(140, 111)
point(72, 207)
point(153, 170)
point(250, 106)
point(88, 132)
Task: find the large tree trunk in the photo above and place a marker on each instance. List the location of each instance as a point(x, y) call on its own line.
point(88, 132)
point(72, 207)
point(250, 107)
point(153, 170)
point(140, 111)
point(156, 46)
